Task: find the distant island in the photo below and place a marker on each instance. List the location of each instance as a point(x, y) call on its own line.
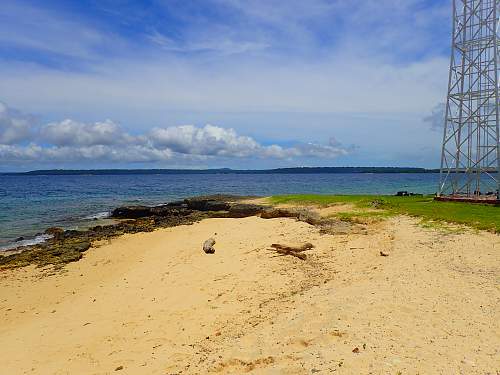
point(295, 170)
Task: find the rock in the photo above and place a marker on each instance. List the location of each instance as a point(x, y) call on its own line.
point(139, 212)
point(217, 206)
point(204, 204)
point(300, 214)
point(240, 210)
point(71, 233)
point(384, 254)
point(70, 256)
point(177, 204)
point(19, 239)
point(273, 213)
point(119, 368)
point(82, 246)
point(355, 350)
point(208, 246)
point(131, 212)
point(55, 232)
point(309, 217)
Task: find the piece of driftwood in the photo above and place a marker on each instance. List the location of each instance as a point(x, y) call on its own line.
point(208, 246)
point(295, 251)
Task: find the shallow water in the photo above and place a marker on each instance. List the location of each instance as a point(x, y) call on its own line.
point(30, 204)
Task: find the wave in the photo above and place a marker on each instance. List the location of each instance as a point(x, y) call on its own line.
point(98, 216)
point(41, 238)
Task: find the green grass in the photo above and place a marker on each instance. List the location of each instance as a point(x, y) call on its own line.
point(486, 217)
point(364, 217)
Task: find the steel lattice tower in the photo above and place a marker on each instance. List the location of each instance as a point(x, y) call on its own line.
point(470, 158)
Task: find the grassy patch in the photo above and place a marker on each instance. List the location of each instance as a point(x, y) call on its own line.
point(478, 216)
point(365, 217)
point(442, 226)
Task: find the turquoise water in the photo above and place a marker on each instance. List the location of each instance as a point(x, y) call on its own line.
point(30, 204)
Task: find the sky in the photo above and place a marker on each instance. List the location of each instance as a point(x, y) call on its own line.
point(222, 83)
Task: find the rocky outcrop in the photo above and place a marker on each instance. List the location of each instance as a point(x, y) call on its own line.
point(273, 213)
point(301, 214)
point(240, 210)
point(207, 204)
point(137, 212)
point(131, 212)
point(55, 232)
point(68, 245)
point(217, 208)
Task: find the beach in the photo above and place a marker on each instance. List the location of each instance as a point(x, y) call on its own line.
point(384, 297)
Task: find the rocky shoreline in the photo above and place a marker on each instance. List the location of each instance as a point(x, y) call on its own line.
point(68, 246)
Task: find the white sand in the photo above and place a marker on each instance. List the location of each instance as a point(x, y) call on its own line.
point(154, 303)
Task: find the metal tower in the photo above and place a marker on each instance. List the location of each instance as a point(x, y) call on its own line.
point(470, 158)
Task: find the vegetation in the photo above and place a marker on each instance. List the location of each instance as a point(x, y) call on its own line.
point(478, 216)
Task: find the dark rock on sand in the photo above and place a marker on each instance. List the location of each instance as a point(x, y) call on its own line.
point(301, 214)
point(82, 246)
point(239, 210)
point(207, 204)
point(273, 213)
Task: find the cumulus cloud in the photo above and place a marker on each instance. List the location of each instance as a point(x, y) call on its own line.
point(72, 141)
point(208, 140)
point(97, 153)
point(73, 133)
point(15, 126)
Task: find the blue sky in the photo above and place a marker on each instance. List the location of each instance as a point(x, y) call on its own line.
point(221, 83)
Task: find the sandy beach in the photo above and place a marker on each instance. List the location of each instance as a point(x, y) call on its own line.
point(154, 303)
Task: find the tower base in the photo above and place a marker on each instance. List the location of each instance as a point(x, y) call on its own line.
point(486, 199)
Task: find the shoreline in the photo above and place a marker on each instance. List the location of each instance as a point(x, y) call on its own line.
point(155, 303)
point(62, 246)
point(58, 246)
point(35, 203)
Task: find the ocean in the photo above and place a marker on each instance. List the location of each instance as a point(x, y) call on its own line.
point(30, 204)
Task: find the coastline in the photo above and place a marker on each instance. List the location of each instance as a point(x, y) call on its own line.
point(61, 246)
point(154, 303)
point(34, 203)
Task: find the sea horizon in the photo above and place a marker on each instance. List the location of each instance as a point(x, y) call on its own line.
point(286, 170)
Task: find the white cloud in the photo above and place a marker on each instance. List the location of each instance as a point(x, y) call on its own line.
point(70, 141)
point(14, 126)
point(333, 149)
point(242, 58)
point(73, 133)
point(209, 140)
point(99, 153)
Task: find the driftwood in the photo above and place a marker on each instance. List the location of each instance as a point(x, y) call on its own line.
point(295, 251)
point(208, 246)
